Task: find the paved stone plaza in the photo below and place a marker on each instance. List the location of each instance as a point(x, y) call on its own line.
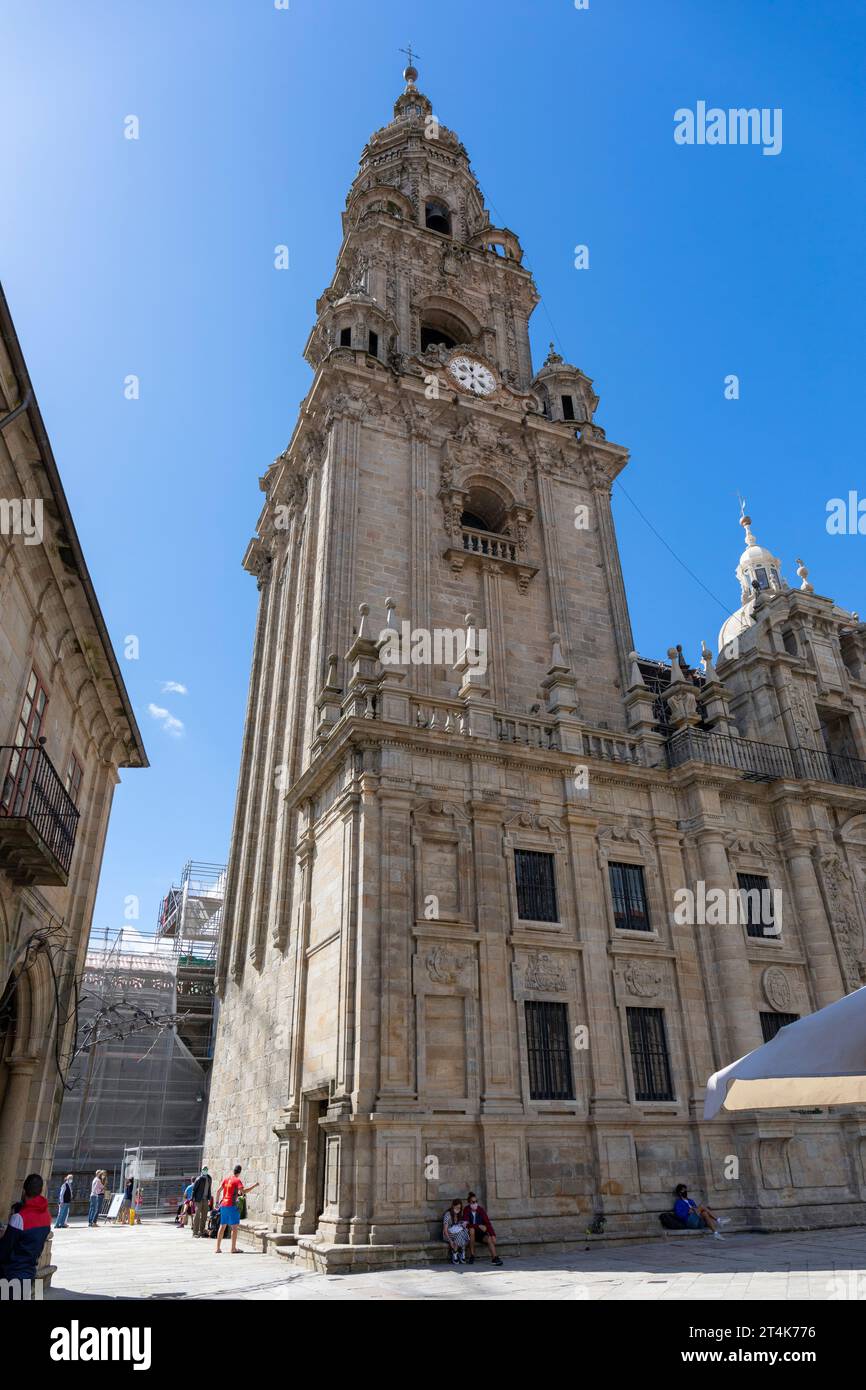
point(159, 1261)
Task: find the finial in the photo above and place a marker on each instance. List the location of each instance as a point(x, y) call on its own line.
point(707, 661)
point(803, 573)
point(746, 522)
point(556, 655)
point(410, 72)
point(363, 609)
point(676, 668)
point(390, 605)
point(636, 678)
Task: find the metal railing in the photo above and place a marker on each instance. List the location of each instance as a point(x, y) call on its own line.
point(765, 761)
point(33, 791)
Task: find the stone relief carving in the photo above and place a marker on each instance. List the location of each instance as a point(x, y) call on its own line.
point(749, 844)
point(610, 837)
point(528, 820)
point(800, 716)
point(543, 973)
point(643, 980)
point(777, 989)
point(843, 914)
point(445, 967)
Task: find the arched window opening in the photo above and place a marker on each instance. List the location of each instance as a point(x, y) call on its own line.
point(431, 335)
point(437, 218)
point(484, 510)
point(442, 325)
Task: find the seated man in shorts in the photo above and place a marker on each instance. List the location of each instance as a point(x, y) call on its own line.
point(696, 1217)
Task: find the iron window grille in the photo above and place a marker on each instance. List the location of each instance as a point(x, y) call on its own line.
point(758, 923)
point(628, 890)
point(549, 1051)
point(649, 1054)
point(771, 1023)
point(536, 886)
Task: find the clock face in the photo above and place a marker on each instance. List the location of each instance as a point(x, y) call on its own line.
point(472, 376)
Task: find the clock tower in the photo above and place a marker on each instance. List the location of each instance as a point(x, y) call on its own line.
point(434, 482)
point(450, 957)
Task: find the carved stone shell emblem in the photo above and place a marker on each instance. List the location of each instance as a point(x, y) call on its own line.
point(777, 989)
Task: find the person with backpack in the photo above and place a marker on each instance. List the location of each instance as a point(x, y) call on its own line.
point(230, 1193)
point(64, 1202)
point(27, 1232)
point(695, 1217)
point(201, 1195)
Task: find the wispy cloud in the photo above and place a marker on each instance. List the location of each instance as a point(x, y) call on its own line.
point(169, 723)
point(174, 688)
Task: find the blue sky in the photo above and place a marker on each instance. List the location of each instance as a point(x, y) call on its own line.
point(155, 257)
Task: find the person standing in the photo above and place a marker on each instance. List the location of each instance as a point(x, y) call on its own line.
point(201, 1195)
point(28, 1226)
point(231, 1189)
point(64, 1202)
point(480, 1227)
point(97, 1192)
point(123, 1214)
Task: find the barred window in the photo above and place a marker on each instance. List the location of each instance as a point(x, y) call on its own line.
point(771, 1023)
point(649, 1054)
point(630, 908)
point(536, 886)
point(757, 909)
point(547, 1043)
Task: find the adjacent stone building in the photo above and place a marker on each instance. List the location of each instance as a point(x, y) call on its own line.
point(66, 726)
point(454, 951)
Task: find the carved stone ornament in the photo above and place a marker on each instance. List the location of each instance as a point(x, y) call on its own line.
point(843, 914)
point(777, 989)
point(543, 973)
point(642, 980)
point(443, 966)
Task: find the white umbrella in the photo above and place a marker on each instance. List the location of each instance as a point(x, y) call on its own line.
point(819, 1060)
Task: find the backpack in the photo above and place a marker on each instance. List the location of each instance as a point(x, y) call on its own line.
point(671, 1221)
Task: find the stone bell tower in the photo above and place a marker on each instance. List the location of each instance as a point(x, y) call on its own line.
point(400, 962)
point(427, 902)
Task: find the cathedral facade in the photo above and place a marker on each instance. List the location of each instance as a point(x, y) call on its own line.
point(503, 893)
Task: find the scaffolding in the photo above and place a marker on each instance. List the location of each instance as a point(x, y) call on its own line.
point(159, 1175)
point(149, 1000)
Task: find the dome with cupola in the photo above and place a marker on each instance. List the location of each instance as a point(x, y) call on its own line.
point(758, 571)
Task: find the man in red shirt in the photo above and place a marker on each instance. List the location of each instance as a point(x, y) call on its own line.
point(479, 1226)
point(230, 1189)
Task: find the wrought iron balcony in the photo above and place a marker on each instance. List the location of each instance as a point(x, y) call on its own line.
point(38, 818)
point(764, 762)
